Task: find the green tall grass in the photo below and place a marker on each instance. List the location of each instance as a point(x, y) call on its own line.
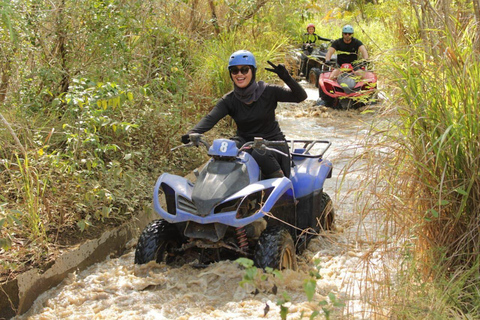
point(441, 146)
point(211, 60)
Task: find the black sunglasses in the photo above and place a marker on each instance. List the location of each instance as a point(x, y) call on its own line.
point(243, 70)
point(348, 34)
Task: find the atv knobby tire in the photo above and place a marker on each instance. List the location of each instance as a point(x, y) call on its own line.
point(348, 104)
point(275, 249)
point(156, 241)
point(313, 76)
point(327, 217)
point(329, 101)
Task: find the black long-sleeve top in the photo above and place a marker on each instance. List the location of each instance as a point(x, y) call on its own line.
point(258, 118)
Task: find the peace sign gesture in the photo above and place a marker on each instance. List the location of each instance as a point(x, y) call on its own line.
point(280, 70)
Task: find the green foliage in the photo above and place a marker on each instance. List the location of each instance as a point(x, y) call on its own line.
point(441, 125)
point(91, 124)
point(33, 189)
point(6, 13)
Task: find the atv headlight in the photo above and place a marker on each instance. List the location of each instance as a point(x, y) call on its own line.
point(329, 88)
point(245, 206)
point(250, 205)
point(227, 206)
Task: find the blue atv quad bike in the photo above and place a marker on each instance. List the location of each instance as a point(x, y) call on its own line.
point(230, 212)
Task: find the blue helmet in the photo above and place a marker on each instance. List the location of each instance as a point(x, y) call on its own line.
point(242, 58)
point(347, 29)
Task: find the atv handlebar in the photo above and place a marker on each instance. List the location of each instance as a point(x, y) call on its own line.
point(195, 140)
point(363, 63)
point(261, 144)
point(258, 142)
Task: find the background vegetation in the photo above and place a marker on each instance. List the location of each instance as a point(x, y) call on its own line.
point(94, 93)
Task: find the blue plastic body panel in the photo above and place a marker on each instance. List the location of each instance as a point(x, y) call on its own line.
point(183, 187)
point(223, 147)
point(309, 174)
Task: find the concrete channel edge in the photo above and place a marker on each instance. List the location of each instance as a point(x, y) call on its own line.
point(19, 294)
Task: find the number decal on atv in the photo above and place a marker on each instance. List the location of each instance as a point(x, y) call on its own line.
point(224, 147)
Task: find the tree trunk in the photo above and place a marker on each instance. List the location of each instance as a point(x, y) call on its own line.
point(193, 9)
point(445, 6)
point(421, 26)
point(216, 27)
point(5, 79)
point(258, 6)
point(248, 14)
point(65, 82)
point(476, 8)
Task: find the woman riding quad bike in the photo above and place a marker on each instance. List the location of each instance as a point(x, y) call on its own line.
point(247, 199)
point(231, 212)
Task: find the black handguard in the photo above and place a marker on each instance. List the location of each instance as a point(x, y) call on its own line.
point(185, 138)
point(280, 70)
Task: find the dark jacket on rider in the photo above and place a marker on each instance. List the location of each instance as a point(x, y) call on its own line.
point(256, 119)
point(346, 52)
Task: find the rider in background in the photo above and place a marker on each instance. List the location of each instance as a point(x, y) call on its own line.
point(309, 40)
point(252, 106)
point(347, 48)
point(311, 37)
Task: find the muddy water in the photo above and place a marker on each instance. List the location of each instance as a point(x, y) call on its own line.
point(351, 262)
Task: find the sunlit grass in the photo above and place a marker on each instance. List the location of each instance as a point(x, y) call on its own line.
point(434, 184)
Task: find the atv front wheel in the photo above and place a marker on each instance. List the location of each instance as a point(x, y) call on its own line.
point(327, 218)
point(156, 243)
point(329, 101)
point(275, 249)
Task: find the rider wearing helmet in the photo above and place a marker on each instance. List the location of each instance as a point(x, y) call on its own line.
point(347, 48)
point(309, 39)
point(252, 106)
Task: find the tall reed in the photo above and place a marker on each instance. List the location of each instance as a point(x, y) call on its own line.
point(441, 122)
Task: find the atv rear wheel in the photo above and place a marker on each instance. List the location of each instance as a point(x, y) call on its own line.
point(156, 242)
point(275, 249)
point(313, 76)
point(327, 218)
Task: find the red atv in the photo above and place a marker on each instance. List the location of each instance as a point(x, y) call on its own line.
point(348, 90)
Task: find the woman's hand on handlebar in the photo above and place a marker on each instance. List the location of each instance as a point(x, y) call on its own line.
point(185, 138)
